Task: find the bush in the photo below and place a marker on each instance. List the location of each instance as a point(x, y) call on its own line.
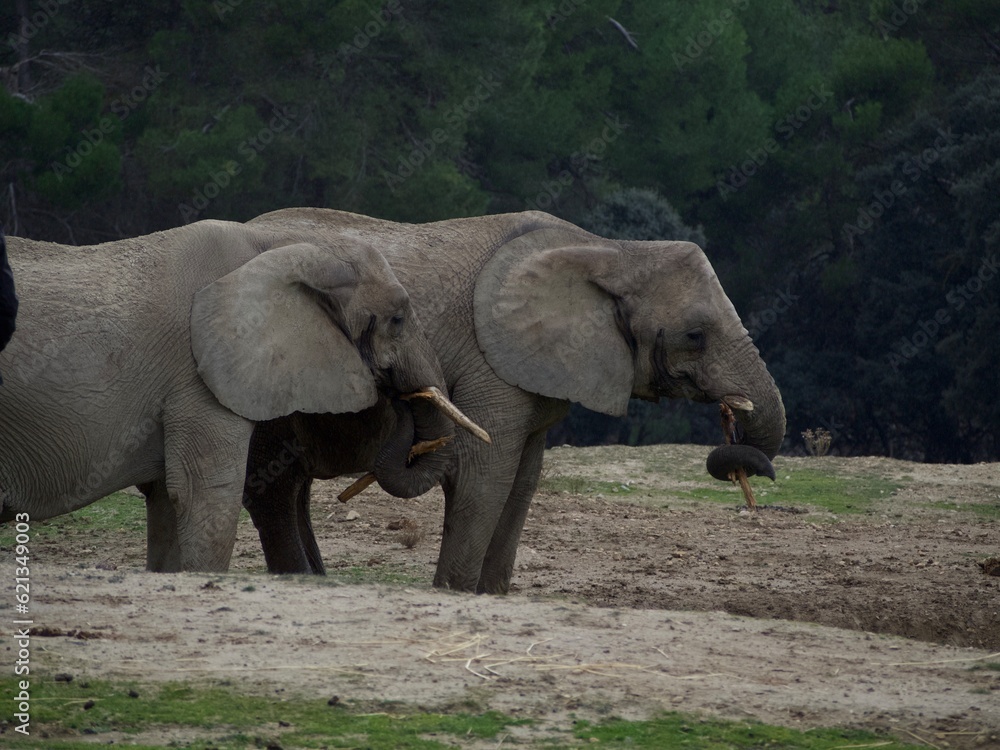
point(638, 214)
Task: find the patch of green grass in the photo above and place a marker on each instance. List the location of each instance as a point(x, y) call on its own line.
point(117, 512)
point(584, 486)
point(64, 715)
point(679, 731)
point(836, 493)
point(397, 573)
point(222, 718)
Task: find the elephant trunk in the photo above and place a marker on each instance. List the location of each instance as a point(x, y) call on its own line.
point(417, 421)
point(764, 426)
point(761, 417)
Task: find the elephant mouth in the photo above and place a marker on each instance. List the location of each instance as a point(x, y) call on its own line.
point(398, 467)
point(674, 382)
point(436, 398)
point(670, 381)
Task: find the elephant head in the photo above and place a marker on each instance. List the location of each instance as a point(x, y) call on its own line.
point(577, 317)
point(309, 329)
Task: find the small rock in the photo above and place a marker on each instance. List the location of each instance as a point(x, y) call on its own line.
point(352, 516)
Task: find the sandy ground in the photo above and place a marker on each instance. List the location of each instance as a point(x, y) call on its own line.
point(622, 606)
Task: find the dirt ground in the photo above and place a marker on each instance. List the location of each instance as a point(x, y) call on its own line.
point(624, 603)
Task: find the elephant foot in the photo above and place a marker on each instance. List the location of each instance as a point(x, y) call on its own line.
point(726, 459)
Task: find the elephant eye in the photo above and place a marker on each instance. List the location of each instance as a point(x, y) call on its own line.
point(396, 321)
point(696, 339)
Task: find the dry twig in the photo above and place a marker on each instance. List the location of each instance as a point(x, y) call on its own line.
point(739, 476)
point(921, 739)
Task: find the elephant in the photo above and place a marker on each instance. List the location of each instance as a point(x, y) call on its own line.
point(526, 313)
point(148, 361)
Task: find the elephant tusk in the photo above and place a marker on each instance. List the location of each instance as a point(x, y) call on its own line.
point(451, 411)
point(738, 402)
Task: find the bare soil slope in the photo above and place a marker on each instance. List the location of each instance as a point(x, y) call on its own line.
point(631, 595)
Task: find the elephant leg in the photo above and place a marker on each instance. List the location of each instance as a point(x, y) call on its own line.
point(477, 489)
point(306, 535)
point(474, 493)
point(499, 561)
point(285, 530)
point(276, 494)
point(473, 501)
point(163, 551)
point(205, 450)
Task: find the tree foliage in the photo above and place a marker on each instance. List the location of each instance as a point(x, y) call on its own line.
point(839, 161)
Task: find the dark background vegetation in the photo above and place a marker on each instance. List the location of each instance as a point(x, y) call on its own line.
point(838, 159)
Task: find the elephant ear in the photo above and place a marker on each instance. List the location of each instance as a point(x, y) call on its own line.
point(267, 339)
point(546, 321)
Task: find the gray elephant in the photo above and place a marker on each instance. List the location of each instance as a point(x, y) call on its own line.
point(526, 313)
point(147, 361)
